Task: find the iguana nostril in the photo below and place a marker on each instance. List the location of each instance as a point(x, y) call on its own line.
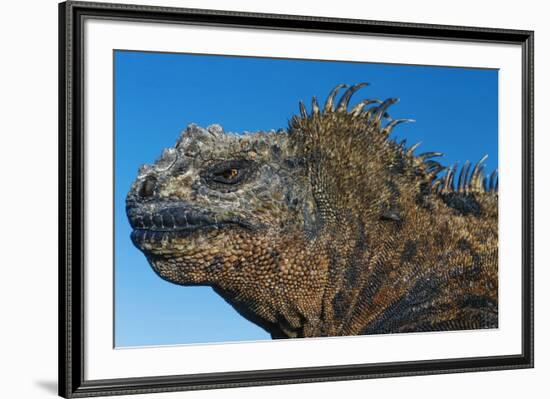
point(148, 187)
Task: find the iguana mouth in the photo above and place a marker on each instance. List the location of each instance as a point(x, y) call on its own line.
point(174, 221)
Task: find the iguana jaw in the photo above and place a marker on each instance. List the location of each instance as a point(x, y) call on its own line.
point(156, 225)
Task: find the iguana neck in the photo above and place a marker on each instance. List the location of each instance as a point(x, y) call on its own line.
point(293, 271)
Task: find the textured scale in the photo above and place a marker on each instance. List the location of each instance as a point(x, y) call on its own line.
point(327, 228)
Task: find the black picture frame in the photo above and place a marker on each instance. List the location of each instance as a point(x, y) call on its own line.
point(71, 196)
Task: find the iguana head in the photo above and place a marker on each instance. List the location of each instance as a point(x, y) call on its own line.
point(217, 201)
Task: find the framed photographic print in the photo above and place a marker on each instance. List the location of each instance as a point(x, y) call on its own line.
point(252, 199)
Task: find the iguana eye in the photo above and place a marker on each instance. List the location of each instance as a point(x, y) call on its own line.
point(227, 176)
point(228, 173)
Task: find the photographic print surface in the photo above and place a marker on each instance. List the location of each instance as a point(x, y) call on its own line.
point(258, 217)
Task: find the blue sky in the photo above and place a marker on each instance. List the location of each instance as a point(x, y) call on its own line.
point(157, 95)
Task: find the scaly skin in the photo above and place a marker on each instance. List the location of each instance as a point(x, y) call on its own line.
point(328, 228)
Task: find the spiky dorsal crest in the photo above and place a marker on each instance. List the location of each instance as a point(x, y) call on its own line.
point(475, 182)
point(372, 113)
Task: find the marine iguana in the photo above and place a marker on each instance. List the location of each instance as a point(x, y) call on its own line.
point(327, 228)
